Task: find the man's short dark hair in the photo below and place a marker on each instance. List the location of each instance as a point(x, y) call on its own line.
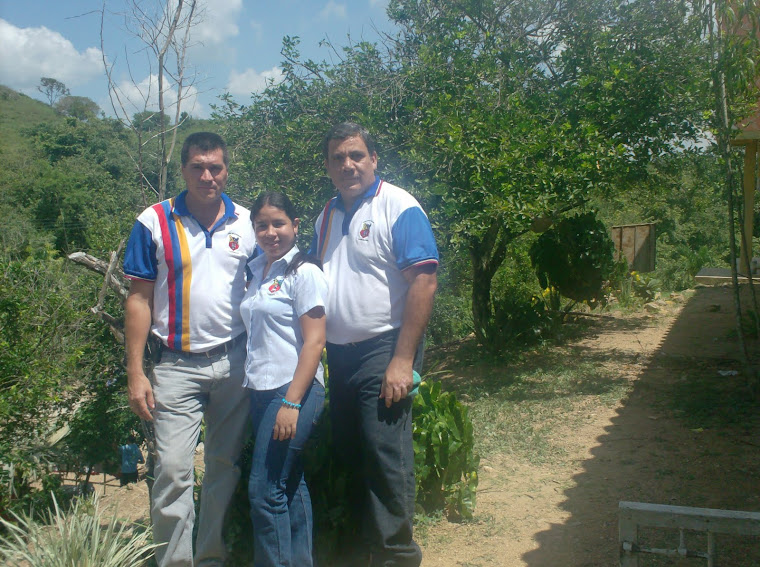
point(205, 142)
point(348, 130)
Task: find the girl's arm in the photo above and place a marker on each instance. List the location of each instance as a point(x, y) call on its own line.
point(313, 325)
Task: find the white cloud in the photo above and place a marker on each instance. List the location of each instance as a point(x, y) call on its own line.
point(249, 81)
point(258, 30)
point(32, 53)
point(333, 10)
point(219, 21)
point(378, 3)
point(136, 97)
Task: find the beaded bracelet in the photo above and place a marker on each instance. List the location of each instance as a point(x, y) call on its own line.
point(290, 405)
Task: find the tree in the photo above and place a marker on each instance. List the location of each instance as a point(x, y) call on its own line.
point(496, 114)
point(733, 31)
point(79, 107)
point(43, 339)
point(165, 32)
point(524, 110)
point(85, 192)
point(52, 89)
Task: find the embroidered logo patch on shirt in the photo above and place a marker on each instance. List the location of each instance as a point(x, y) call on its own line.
point(234, 242)
point(276, 285)
point(364, 232)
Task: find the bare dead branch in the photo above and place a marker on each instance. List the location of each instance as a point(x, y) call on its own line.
point(109, 273)
point(115, 281)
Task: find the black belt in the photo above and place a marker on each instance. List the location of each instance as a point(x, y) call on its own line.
point(216, 351)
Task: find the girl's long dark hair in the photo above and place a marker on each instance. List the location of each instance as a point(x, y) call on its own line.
point(280, 201)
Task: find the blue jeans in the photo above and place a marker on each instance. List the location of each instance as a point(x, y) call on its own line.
point(374, 444)
point(280, 502)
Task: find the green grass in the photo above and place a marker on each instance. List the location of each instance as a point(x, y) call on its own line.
point(18, 113)
point(519, 402)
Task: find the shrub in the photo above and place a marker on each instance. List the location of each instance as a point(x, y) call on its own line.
point(576, 256)
point(451, 318)
point(522, 320)
point(644, 286)
point(445, 465)
point(74, 537)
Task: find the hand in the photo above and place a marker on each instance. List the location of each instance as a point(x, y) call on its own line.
point(397, 381)
point(285, 424)
point(141, 396)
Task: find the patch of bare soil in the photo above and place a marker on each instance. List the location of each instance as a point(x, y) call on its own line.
point(129, 503)
point(565, 514)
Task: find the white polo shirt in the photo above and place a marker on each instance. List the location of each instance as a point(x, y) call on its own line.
point(199, 274)
point(271, 310)
point(364, 253)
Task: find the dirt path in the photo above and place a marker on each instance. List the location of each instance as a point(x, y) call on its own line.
point(565, 514)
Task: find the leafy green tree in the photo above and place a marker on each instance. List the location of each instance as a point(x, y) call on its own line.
point(43, 333)
point(523, 110)
point(52, 89)
point(499, 115)
point(85, 193)
point(79, 107)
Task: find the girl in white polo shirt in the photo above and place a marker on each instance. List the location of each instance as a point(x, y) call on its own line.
point(284, 314)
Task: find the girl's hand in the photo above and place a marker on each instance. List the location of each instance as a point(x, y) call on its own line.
point(285, 424)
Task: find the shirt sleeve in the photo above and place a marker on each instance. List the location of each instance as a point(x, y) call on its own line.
point(413, 239)
point(310, 289)
point(140, 255)
point(314, 241)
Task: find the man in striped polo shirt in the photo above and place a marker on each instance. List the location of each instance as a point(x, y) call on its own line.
point(380, 258)
point(186, 260)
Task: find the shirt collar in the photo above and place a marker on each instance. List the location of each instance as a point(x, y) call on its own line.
point(278, 267)
point(180, 206)
point(370, 192)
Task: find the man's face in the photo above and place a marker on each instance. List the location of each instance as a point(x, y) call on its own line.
point(205, 176)
point(351, 167)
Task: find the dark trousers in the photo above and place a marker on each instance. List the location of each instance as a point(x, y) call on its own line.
point(374, 443)
point(127, 478)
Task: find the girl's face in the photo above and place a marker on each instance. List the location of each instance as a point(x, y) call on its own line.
point(275, 232)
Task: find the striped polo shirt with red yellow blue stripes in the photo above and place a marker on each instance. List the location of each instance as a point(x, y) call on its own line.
point(364, 253)
point(199, 274)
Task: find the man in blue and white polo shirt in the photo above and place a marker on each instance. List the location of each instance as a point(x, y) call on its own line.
point(186, 259)
point(380, 258)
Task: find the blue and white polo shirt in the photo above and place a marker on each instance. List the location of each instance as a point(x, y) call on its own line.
point(199, 274)
point(272, 309)
point(364, 253)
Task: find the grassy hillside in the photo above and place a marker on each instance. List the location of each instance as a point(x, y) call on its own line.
point(19, 112)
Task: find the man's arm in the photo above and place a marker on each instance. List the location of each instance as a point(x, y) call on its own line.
point(137, 326)
point(418, 307)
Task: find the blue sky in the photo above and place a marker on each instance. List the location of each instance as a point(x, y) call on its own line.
point(238, 44)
